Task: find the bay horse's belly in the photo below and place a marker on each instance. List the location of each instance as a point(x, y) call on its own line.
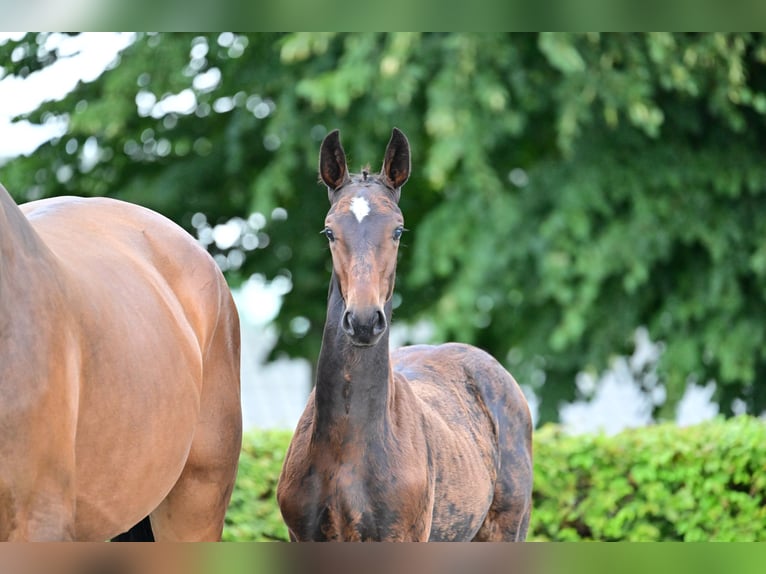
point(137, 350)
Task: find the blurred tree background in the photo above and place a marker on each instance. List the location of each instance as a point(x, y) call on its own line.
point(567, 189)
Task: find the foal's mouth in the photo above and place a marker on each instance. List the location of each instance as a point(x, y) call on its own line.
point(362, 344)
point(366, 340)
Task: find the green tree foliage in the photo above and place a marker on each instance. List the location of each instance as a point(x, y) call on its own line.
point(661, 483)
point(567, 188)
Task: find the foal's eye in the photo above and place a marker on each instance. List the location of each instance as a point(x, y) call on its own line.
point(327, 232)
point(398, 233)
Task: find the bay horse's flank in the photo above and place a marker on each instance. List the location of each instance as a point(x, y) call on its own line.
point(425, 443)
point(119, 375)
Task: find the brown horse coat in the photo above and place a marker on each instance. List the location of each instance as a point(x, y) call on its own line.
point(119, 374)
point(424, 443)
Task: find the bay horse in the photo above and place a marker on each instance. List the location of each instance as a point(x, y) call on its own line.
point(424, 443)
point(119, 375)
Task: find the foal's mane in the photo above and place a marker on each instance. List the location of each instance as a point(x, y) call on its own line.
point(364, 176)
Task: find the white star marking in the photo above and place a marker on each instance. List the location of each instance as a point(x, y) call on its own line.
point(360, 208)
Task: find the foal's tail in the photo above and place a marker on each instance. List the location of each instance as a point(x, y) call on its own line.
point(141, 532)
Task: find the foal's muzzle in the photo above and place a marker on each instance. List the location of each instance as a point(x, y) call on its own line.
point(364, 327)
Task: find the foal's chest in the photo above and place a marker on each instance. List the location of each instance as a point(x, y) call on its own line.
point(350, 503)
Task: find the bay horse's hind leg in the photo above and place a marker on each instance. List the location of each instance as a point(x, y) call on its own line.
point(141, 532)
point(195, 508)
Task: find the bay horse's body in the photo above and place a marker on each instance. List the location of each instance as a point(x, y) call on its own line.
point(119, 375)
point(425, 443)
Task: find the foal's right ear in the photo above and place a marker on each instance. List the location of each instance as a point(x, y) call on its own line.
point(332, 161)
point(396, 160)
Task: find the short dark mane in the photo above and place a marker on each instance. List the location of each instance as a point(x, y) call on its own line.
point(366, 177)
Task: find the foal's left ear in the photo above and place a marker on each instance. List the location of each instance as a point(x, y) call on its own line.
point(396, 161)
point(332, 162)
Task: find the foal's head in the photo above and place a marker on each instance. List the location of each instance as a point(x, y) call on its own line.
point(363, 227)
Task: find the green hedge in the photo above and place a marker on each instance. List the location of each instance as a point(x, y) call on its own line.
point(705, 482)
point(253, 512)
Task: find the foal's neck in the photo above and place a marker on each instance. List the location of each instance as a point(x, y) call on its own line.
point(354, 385)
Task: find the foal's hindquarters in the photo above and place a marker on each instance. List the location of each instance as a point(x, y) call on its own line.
point(480, 432)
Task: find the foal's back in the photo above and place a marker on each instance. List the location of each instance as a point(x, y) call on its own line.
point(479, 423)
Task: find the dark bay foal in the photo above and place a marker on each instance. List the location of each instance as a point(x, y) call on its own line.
point(425, 443)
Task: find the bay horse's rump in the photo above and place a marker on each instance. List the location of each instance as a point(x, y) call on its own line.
point(133, 376)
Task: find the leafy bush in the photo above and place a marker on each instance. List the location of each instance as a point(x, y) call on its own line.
point(660, 483)
point(705, 482)
point(253, 513)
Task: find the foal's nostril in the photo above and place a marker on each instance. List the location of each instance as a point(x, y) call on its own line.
point(346, 323)
point(379, 323)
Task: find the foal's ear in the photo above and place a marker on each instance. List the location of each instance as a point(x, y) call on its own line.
point(396, 161)
point(332, 161)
